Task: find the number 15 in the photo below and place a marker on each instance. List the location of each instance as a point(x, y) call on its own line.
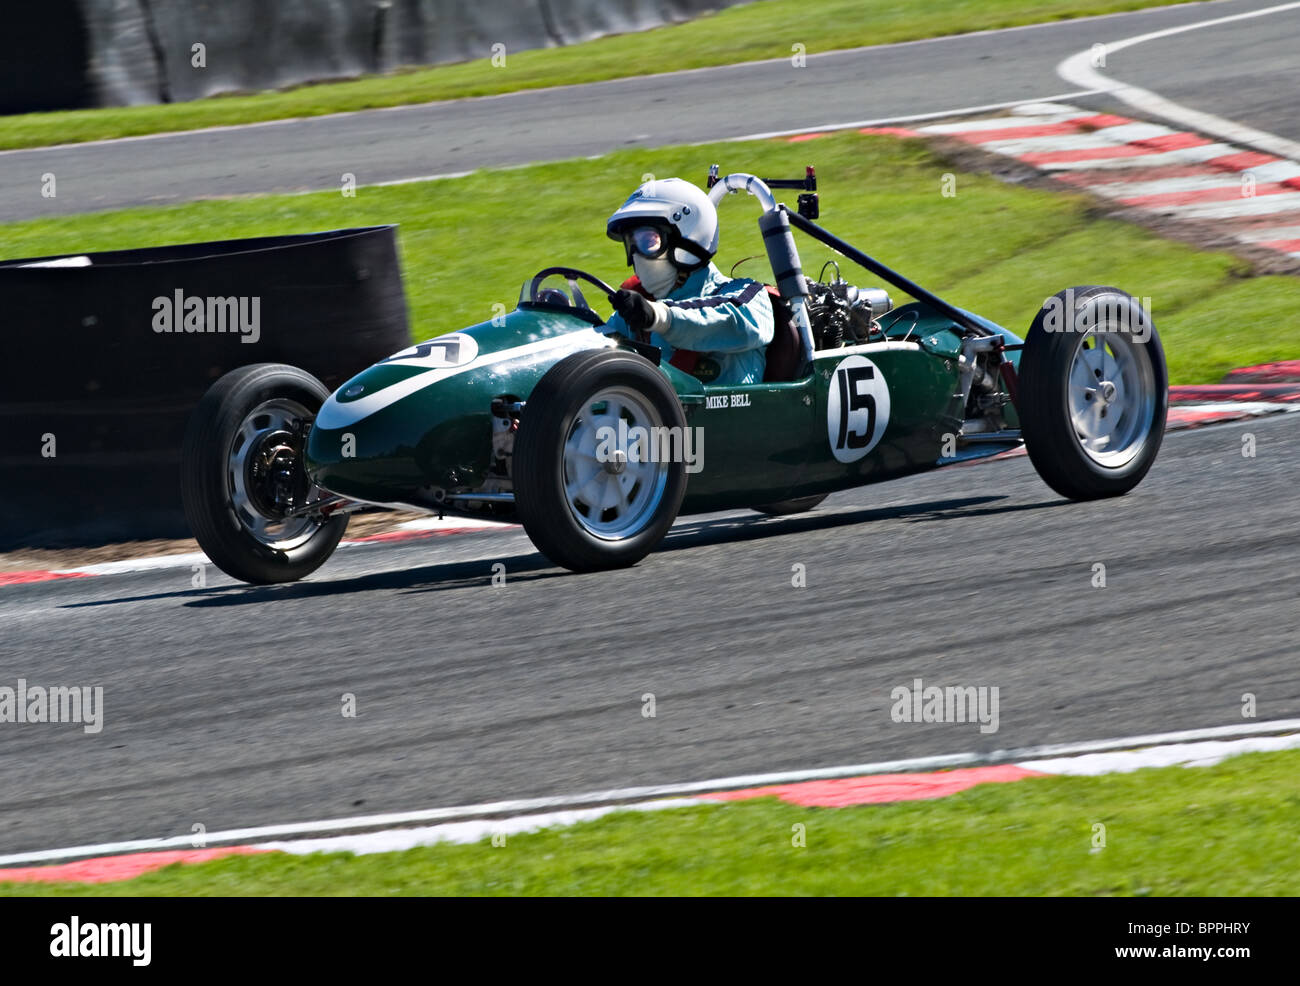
point(851, 400)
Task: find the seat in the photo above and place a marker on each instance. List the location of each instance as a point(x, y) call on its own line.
point(783, 351)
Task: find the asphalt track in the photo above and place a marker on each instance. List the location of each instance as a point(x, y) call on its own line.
point(223, 704)
point(1246, 71)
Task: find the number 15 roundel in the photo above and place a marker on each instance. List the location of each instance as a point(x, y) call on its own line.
point(857, 408)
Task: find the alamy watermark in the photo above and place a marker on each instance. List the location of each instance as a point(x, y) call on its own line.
point(657, 443)
point(953, 703)
point(193, 313)
point(37, 704)
point(75, 939)
point(1105, 313)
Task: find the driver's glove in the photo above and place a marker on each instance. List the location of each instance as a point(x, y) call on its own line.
point(639, 312)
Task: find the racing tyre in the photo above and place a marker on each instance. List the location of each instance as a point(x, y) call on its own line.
point(584, 495)
point(783, 508)
point(1094, 392)
point(241, 469)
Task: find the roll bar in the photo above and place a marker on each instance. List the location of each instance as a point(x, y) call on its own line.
point(781, 251)
point(776, 223)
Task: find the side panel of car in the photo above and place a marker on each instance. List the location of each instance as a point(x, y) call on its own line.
point(866, 413)
point(889, 408)
point(882, 411)
point(752, 441)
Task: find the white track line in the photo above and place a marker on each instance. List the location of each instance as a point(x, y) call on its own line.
point(153, 563)
point(1219, 178)
point(1273, 171)
point(463, 833)
point(1160, 159)
point(1203, 754)
point(887, 120)
point(450, 524)
point(1078, 70)
point(1097, 140)
point(1259, 205)
point(1164, 186)
point(1060, 113)
point(1266, 233)
point(614, 795)
point(1243, 408)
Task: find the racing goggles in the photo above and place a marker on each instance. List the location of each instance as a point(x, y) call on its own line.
point(649, 241)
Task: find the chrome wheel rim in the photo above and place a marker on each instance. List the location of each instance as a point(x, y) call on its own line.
point(1111, 397)
point(612, 487)
point(279, 533)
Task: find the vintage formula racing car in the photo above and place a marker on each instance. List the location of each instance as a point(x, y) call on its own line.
point(596, 445)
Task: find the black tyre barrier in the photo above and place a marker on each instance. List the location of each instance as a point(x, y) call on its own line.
point(106, 354)
point(44, 57)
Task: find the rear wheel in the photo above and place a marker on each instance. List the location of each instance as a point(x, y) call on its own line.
point(242, 475)
point(1094, 393)
point(589, 496)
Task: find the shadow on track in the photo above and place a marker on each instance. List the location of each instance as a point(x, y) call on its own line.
point(688, 534)
point(532, 566)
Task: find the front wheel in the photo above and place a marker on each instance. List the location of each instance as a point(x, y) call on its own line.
point(600, 460)
point(1094, 392)
point(242, 475)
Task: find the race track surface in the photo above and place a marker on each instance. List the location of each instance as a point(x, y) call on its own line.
point(1247, 71)
point(223, 704)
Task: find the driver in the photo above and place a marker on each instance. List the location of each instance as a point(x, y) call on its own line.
point(706, 324)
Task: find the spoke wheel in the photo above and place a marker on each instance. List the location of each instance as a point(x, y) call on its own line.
point(260, 455)
point(242, 475)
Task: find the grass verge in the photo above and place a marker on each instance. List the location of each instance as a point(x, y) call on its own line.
point(766, 29)
point(469, 243)
point(1226, 831)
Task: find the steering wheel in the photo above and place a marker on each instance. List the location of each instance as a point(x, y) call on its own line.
point(572, 275)
point(579, 305)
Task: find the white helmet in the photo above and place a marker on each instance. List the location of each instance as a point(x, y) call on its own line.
point(685, 209)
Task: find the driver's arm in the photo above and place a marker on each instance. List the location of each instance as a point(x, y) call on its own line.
point(736, 319)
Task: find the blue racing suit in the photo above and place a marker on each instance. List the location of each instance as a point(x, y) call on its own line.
point(727, 321)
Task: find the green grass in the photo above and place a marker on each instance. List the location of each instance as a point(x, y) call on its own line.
point(469, 243)
point(1227, 830)
point(767, 29)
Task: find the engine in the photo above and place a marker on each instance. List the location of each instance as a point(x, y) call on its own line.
point(844, 315)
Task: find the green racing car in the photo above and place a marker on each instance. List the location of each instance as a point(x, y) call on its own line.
point(596, 445)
